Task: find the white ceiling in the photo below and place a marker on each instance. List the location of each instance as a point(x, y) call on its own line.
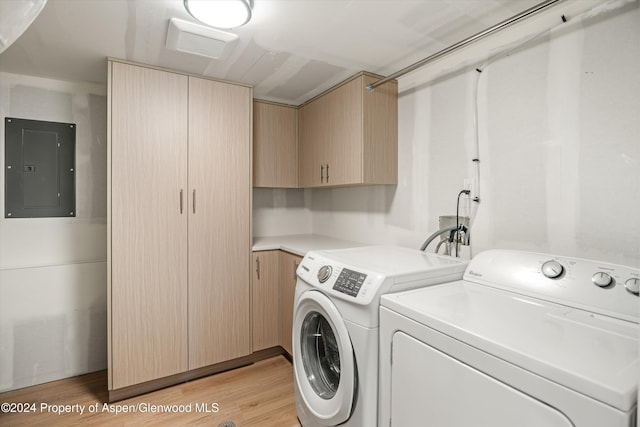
point(290, 51)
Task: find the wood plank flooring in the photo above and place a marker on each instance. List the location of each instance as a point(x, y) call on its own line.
point(256, 395)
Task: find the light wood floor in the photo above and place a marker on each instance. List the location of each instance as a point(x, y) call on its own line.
point(256, 395)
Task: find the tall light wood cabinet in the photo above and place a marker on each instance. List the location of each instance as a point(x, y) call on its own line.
point(148, 225)
point(265, 304)
point(179, 252)
point(349, 136)
point(219, 221)
point(275, 145)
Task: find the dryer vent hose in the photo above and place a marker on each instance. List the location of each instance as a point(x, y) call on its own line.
point(436, 234)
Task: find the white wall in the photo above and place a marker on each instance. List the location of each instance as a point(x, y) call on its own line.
point(559, 148)
point(53, 270)
point(281, 211)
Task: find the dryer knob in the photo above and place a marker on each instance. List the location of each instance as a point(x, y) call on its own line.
point(633, 285)
point(552, 269)
point(601, 279)
point(324, 273)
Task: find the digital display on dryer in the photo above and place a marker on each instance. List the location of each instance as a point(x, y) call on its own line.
point(349, 282)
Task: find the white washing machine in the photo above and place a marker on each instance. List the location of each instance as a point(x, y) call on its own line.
point(335, 326)
point(524, 339)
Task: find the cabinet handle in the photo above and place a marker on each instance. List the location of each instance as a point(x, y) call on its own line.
point(321, 173)
point(295, 268)
point(327, 173)
point(181, 201)
point(194, 201)
point(258, 267)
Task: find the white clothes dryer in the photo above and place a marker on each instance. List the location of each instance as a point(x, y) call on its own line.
point(524, 339)
point(335, 326)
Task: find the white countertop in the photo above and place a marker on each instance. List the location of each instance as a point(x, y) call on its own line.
point(300, 244)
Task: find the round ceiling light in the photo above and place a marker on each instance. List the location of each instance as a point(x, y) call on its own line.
point(220, 13)
point(15, 18)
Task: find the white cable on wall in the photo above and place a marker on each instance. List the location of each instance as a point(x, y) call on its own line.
point(475, 197)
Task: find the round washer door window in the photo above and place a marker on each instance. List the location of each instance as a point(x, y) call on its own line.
point(323, 359)
point(321, 355)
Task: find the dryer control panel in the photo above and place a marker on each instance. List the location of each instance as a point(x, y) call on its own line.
point(600, 287)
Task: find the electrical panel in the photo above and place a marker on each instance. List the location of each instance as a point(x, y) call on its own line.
point(39, 168)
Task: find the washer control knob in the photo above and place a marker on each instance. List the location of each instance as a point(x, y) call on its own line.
point(552, 269)
point(632, 285)
point(601, 279)
point(324, 273)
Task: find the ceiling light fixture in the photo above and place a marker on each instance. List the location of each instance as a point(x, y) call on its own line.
point(220, 13)
point(15, 18)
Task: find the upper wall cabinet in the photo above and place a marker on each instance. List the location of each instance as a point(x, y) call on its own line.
point(275, 145)
point(349, 136)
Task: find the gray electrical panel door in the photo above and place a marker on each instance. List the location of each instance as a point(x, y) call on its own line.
point(39, 169)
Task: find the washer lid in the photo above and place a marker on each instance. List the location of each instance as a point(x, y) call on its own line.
point(586, 352)
point(394, 261)
point(361, 275)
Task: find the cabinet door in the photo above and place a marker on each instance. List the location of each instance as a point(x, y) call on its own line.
point(380, 133)
point(265, 299)
point(275, 145)
point(148, 256)
point(349, 136)
point(314, 137)
point(288, 266)
point(345, 139)
point(219, 221)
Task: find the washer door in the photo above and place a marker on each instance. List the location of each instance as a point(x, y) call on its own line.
point(323, 359)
